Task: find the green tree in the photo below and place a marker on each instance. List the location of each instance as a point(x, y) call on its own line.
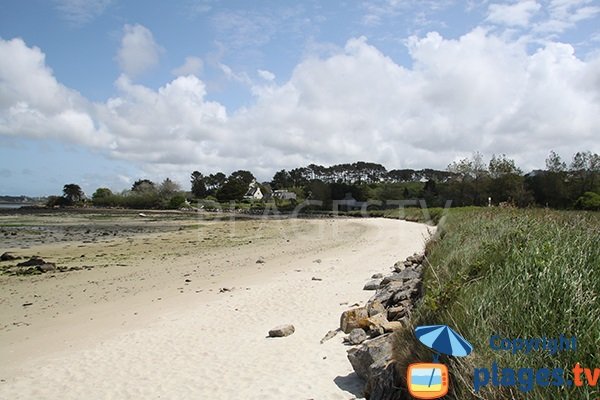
point(501, 165)
point(506, 182)
point(102, 193)
point(281, 180)
point(214, 182)
point(143, 186)
point(168, 189)
point(554, 163)
point(73, 193)
point(242, 175)
point(232, 190)
point(198, 185)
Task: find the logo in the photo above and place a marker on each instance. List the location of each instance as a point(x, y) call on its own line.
point(431, 380)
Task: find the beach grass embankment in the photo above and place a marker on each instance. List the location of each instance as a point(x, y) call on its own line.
point(412, 214)
point(516, 274)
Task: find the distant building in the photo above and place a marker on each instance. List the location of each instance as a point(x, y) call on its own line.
point(254, 192)
point(284, 195)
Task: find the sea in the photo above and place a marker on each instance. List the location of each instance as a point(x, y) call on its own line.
point(12, 205)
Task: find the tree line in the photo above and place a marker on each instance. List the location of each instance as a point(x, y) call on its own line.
point(467, 182)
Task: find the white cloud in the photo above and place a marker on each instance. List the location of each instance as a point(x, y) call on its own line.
point(138, 52)
point(191, 66)
point(565, 14)
point(478, 92)
point(266, 75)
point(80, 12)
point(514, 14)
point(33, 103)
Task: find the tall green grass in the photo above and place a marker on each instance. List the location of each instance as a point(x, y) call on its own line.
point(516, 273)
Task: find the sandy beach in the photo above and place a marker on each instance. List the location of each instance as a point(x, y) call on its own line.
point(173, 308)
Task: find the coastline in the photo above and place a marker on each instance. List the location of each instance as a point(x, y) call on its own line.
point(208, 343)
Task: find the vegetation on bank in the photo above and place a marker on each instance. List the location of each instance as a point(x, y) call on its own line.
point(518, 274)
point(349, 187)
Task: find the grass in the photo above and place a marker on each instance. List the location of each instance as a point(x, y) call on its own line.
point(516, 273)
point(414, 214)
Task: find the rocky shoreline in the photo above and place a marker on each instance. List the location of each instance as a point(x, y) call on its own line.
point(371, 327)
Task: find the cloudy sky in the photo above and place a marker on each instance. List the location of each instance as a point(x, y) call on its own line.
point(102, 92)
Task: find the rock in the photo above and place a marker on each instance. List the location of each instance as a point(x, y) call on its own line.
point(390, 326)
point(260, 260)
point(375, 307)
point(386, 292)
point(396, 312)
point(385, 386)
point(377, 276)
point(282, 331)
point(46, 267)
point(407, 274)
point(8, 257)
point(372, 285)
point(317, 261)
point(377, 320)
point(356, 336)
point(32, 262)
point(316, 279)
point(354, 318)
point(329, 335)
point(405, 295)
point(370, 358)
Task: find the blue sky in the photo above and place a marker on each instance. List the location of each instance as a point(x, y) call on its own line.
point(102, 92)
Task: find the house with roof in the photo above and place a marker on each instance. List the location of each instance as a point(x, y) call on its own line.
point(254, 192)
point(284, 195)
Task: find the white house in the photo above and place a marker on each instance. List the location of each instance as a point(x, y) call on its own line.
point(254, 192)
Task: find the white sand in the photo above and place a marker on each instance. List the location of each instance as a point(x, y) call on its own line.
point(213, 346)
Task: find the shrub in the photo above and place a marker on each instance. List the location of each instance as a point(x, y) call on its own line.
point(176, 201)
point(589, 201)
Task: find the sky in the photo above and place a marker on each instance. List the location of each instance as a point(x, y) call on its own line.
point(104, 92)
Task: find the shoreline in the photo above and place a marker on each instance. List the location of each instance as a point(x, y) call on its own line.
point(203, 321)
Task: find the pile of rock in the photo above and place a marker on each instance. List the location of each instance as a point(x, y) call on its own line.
point(35, 265)
point(386, 311)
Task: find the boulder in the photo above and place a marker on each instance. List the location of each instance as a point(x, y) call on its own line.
point(354, 318)
point(372, 284)
point(32, 262)
point(46, 267)
point(369, 359)
point(404, 295)
point(399, 266)
point(405, 275)
point(386, 292)
point(385, 385)
point(282, 331)
point(375, 307)
point(356, 336)
point(391, 326)
point(377, 321)
point(397, 312)
point(377, 276)
point(8, 257)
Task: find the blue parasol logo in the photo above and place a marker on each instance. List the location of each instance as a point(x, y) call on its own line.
point(443, 339)
point(431, 380)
